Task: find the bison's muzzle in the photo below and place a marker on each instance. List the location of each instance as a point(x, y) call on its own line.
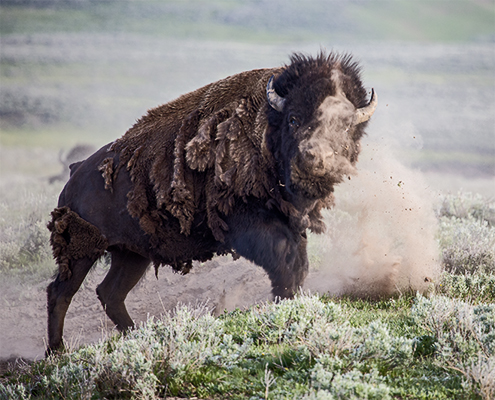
point(326, 145)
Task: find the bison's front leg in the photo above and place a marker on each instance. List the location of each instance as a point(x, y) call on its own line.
point(288, 275)
point(269, 242)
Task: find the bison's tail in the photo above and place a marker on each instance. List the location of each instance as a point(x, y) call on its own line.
point(73, 238)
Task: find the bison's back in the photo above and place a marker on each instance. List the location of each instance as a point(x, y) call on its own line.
point(85, 194)
point(107, 209)
point(141, 190)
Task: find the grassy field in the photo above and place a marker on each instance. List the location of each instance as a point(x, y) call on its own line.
point(437, 346)
point(310, 347)
point(257, 21)
point(83, 72)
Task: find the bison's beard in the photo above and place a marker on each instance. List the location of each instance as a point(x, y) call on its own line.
point(306, 182)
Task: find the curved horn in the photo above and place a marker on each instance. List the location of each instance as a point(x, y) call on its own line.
point(276, 102)
point(365, 113)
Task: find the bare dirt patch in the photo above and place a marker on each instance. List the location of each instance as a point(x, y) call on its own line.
point(224, 283)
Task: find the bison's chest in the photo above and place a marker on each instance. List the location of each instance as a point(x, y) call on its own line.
point(169, 246)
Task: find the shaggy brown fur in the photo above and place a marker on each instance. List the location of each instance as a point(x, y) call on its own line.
point(220, 130)
point(106, 169)
point(73, 238)
point(222, 138)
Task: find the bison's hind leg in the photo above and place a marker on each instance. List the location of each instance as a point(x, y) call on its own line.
point(126, 270)
point(59, 296)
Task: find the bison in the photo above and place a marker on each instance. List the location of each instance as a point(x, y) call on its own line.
point(242, 166)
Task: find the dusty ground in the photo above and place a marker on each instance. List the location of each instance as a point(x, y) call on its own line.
point(224, 283)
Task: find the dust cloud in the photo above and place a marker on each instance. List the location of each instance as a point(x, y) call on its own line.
point(380, 236)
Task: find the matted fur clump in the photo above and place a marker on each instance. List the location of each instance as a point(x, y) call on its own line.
point(73, 238)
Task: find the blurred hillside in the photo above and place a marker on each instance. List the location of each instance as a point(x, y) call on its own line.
point(258, 20)
point(84, 71)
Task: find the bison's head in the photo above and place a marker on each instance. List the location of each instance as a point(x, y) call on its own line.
point(319, 110)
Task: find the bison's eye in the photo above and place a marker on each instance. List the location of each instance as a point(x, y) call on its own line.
point(293, 122)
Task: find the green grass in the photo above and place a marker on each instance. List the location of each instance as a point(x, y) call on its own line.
point(54, 138)
point(456, 161)
point(282, 21)
point(424, 20)
point(309, 347)
point(192, 19)
point(313, 347)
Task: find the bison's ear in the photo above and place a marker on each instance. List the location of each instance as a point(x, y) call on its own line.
point(276, 101)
